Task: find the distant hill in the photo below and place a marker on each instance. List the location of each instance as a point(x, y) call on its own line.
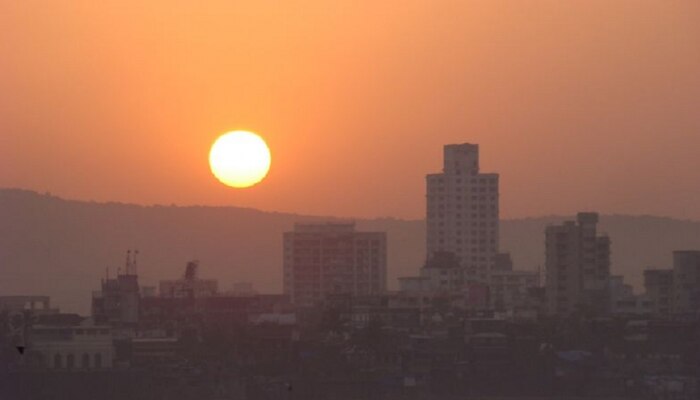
point(62, 248)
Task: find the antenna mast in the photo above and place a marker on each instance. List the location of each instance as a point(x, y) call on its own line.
point(133, 263)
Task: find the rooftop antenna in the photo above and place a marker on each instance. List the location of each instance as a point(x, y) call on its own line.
point(128, 261)
point(133, 263)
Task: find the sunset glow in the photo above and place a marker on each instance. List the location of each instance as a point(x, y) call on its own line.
point(345, 92)
point(507, 190)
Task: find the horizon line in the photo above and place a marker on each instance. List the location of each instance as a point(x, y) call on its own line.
point(50, 194)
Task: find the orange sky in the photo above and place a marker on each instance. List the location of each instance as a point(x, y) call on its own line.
point(578, 104)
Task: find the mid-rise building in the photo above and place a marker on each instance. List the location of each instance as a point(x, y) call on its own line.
point(333, 258)
point(658, 285)
point(577, 266)
point(117, 302)
point(462, 212)
point(686, 282)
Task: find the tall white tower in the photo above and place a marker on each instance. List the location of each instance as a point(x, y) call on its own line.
point(462, 212)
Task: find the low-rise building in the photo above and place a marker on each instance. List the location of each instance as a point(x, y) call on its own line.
point(84, 346)
point(443, 272)
point(37, 305)
point(509, 288)
point(624, 301)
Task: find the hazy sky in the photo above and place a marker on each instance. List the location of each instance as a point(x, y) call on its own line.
point(578, 104)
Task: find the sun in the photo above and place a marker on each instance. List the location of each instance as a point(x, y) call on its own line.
point(239, 159)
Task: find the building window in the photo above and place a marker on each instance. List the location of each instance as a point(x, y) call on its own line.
point(86, 361)
point(57, 361)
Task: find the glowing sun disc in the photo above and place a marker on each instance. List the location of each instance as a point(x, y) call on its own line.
point(239, 159)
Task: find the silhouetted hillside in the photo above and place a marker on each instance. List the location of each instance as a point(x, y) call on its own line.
point(62, 248)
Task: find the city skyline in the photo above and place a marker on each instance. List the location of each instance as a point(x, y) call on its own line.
point(462, 222)
point(415, 199)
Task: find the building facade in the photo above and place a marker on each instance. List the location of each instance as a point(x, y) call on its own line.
point(509, 288)
point(658, 285)
point(462, 212)
point(577, 263)
point(444, 272)
point(79, 347)
point(333, 258)
point(686, 282)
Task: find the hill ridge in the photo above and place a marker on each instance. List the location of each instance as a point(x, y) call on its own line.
point(50, 245)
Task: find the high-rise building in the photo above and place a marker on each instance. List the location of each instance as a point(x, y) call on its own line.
point(686, 282)
point(577, 266)
point(333, 258)
point(462, 212)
